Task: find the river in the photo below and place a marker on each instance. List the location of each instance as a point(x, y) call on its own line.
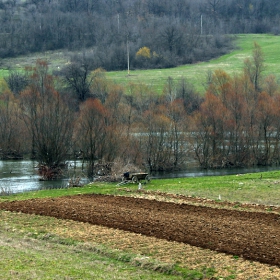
point(21, 175)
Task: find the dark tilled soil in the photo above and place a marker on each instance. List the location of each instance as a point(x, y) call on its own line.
point(253, 235)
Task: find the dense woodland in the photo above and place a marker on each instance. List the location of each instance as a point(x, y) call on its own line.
point(78, 113)
point(106, 29)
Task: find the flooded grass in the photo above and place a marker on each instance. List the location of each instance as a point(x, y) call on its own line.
point(5, 190)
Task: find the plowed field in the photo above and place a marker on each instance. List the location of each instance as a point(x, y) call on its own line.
point(254, 235)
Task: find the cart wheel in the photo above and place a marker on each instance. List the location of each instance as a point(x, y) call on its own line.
point(147, 179)
point(134, 179)
point(123, 179)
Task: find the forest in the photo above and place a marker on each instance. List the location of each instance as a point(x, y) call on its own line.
point(83, 114)
point(174, 32)
point(77, 112)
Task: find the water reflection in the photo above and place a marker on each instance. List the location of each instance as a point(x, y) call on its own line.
point(198, 172)
point(20, 176)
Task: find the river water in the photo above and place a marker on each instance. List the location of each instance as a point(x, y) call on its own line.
point(21, 175)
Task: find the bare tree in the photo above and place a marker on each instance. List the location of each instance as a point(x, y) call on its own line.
point(10, 127)
point(16, 81)
point(48, 119)
point(91, 132)
point(254, 67)
point(77, 77)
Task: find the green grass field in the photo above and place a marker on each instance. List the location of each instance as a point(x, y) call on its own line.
point(29, 250)
point(155, 79)
point(196, 74)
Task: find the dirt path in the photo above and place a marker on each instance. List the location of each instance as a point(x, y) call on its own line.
point(253, 235)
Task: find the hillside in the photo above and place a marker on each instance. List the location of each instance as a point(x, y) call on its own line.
point(175, 32)
point(195, 74)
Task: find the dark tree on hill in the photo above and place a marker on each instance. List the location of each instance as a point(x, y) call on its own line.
point(17, 81)
point(77, 77)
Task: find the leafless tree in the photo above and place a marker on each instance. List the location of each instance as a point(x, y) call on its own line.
point(16, 81)
point(48, 119)
point(10, 127)
point(78, 79)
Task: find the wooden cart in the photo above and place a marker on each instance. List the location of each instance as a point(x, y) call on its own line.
point(135, 178)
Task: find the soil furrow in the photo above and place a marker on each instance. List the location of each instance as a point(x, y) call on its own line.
point(253, 235)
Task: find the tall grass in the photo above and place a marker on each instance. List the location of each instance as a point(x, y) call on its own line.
point(5, 190)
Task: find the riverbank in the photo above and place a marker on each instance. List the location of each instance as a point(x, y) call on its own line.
point(256, 188)
point(22, 175)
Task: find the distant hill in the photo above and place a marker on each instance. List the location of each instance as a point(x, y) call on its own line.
point(196, 73)
point(106, 32)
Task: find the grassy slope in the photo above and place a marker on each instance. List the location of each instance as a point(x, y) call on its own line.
point(196, 74)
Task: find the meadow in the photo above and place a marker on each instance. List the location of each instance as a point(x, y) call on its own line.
point(195, 74)
point(259, 188)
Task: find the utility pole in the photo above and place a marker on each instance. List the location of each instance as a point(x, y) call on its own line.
point(201, 25)
point(118, 18)
point(129, 14)
point(127, 50)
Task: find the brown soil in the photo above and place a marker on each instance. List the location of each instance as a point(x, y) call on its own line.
point(252, 235)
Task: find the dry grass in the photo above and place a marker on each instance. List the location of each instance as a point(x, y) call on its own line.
point(173, 253)
point(169, 252)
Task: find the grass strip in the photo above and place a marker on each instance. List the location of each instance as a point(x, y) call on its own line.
point(258, 188)
point(30, 251)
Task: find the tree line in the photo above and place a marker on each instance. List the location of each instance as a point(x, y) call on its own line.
point(176, 32)
point(82, 114)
